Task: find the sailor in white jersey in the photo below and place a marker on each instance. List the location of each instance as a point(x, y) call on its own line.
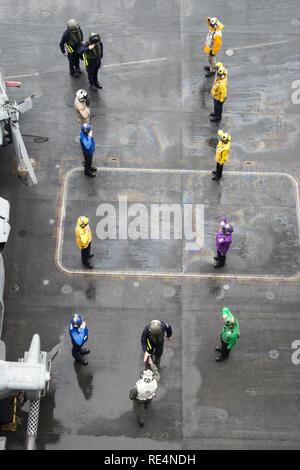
point(144, 390)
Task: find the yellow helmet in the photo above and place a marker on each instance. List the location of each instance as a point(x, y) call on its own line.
point(224, 136)
point(221, 70)
point(83, 221)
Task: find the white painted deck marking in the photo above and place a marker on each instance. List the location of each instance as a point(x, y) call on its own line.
point(263, 44)
point(107, 66)
point(136, 62)
point(168, 275)
point(36, 74)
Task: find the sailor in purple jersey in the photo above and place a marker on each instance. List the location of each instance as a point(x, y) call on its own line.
point(223, 242)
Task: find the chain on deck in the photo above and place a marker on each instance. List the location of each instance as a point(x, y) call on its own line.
point(33, 417)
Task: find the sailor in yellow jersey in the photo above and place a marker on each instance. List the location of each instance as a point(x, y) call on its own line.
point(219, 92)
point(222, 153)
point(83, 240)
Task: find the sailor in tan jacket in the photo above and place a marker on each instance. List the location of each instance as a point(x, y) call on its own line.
point(82, 107)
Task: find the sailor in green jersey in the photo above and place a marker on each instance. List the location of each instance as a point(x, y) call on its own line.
point(229, 335)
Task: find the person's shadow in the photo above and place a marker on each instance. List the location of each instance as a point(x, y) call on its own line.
point(85, 380)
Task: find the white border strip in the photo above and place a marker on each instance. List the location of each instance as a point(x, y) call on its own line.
point(263, 44)
point(168, 275)
point(136, 62)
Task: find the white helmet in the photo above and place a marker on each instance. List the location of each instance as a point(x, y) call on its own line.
point(81, 95)
point(147, 376)
point(213, 21)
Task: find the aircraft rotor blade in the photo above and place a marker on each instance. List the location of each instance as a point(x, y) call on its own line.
point(22, 155)
point(25, 105)
point(3, 115)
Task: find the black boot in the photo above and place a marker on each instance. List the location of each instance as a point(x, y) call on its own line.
point(207, 68)
point(214, 172)
point(98, 85)
point(93, 169)
point(217, 348)
point(140, 422)
point(215, 119)
point(210, 74)
point(91, 256)
point(90, 174)
point(74, 74)
point(221, 358)
point(215, 178)
point(84, 351)
point(218, 265)
point(88, 265)
point(82, 361)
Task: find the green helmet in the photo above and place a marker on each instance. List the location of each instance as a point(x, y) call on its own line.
point(228, 316)
point(155, 327)
point(73, 25)
point(94, 38)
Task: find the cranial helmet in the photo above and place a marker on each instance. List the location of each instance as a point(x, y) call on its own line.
point(223, 222)
point(73, 25)
point(221, 70)
point(77, 320)
point(155, 327)
point(213, 21)
point(227, 315)
point(83, 221)
point(81, 95)
point(86, 128)
point(225, 226)
point(147, 376)
point(94, 38)
point(228, 228)
point(224, 136)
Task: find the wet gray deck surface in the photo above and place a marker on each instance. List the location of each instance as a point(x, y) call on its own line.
point(262, 208)
point(155, 115)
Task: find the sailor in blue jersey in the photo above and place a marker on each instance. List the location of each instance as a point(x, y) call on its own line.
point(88, 147)
point(79, 334)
